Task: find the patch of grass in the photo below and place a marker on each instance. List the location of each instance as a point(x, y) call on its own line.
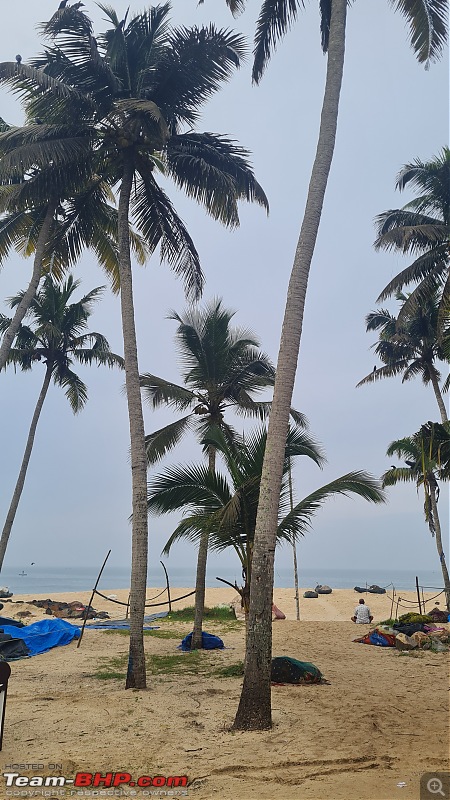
point(219, 613)
point(157, 634)
point(108, 675)
point(231, 671)
point(191, 663)
point(178, 664)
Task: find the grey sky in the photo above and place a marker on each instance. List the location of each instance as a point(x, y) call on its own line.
point(77, 496)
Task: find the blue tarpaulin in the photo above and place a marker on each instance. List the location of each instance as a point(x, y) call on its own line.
point(43, 635)
point(209, 642)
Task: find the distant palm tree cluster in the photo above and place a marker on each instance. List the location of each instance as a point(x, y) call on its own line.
point(413, 342)
point(106, 117)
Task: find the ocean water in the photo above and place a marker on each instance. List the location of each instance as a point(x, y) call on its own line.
point(41, 580)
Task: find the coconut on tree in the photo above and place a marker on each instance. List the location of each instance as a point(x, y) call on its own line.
point(55, 337)
point(427, 458)
point(135, 93)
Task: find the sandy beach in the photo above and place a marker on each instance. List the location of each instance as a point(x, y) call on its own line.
point(382, 720)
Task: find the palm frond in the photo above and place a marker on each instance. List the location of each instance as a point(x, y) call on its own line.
point(274, 21)
point(236, 6)
point(159, 224)
point(427, 21)
point(215, 171)
point(195, 64)
point(358, 483)
point(159, 443)
point(158, 392)
point(189, 487)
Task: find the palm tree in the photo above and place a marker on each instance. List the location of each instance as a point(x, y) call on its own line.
point(223, 369)
point(134, 93)
point(427, 21)
point(409, 348)
point(53, 212)
point(421, 228)
point(427, 458)
point(225, 505)
point(56, 337)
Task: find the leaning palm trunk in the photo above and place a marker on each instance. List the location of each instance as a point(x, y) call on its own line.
point(200, 580)
point(254, 712)
point(27, 298)
point(438, 395)
point(4, 539)
point(437, 528)
point(136, 677)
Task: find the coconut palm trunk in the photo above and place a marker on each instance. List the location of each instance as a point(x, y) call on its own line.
point(438, 533)
point(254, 711)
point(438, 395)
point(27, 298)
point(23, 469)
point(200, 581)
point(136, 676)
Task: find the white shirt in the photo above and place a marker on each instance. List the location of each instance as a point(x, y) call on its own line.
point(362, 613)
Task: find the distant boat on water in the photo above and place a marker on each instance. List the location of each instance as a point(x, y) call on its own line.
point(22, 573)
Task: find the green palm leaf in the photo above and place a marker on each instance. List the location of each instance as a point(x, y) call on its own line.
point(427, 22)
point(160, 442)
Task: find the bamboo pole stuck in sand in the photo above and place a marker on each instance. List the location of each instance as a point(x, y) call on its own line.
point(418, 595)
point(167, 584)
point(392, 604)
point(85, 615)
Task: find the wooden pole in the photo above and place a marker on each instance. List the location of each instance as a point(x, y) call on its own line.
point(294, 549)
point(392, 604)
point(418, 595)
point(168, 587)
point(86, 610)
point(5, 672)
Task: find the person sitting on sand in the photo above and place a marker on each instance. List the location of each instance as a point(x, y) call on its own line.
point(276, 613)
point(362, 613)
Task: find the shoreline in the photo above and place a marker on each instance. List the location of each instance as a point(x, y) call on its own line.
point(337, 606)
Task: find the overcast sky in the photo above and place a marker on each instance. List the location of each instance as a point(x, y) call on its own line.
point(76, 500)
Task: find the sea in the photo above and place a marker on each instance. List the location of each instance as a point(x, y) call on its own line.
point(36, 579)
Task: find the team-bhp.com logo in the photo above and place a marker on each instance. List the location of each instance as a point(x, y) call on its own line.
point(97, 780)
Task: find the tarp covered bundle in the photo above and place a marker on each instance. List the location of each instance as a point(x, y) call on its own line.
point(209, 642)
point(43, 635)
point(12, 649)
point(377, 637)
point(288, 670)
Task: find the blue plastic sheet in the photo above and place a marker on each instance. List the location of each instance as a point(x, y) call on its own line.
point(209, 642)
point(43, 635)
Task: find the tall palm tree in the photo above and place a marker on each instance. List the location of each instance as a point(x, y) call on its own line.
point(135, 93)
point(409, 348)
point(421, 229)
point(223, 369)
point(56, 337)
point(427, 458)
point(428, 32)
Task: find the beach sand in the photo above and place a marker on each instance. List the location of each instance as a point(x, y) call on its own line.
point(382, 719)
